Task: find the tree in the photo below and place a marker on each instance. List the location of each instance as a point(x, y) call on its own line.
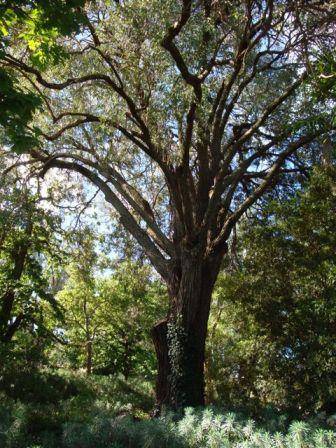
point(107, 317)
point(183, 114)
point(136, 302)
point(27, 245)
point(78, 298)
point(272, 333)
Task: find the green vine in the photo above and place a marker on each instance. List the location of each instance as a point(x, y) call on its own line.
point(176, 337)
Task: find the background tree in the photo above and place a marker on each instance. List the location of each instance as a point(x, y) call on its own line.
point(27, 246)
point(272, 333)
point(138, 300)
point(107, 316)
point(183, 115)
point(78, 299)
point(29, 253)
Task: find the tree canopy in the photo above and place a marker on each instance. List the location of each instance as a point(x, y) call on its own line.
point(183, 115)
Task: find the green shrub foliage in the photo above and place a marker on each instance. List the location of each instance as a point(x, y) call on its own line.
point(272, 334)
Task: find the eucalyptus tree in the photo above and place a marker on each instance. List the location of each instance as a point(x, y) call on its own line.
point(183, 114)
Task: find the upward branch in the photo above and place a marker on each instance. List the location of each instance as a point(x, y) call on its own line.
point(211, 154)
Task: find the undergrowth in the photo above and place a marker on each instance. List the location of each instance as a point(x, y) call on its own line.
point(97, 413)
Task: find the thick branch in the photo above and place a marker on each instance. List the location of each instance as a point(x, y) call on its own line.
point(153, 253)
point(169, 45)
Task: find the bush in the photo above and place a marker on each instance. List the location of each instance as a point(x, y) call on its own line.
point(37, 387)
point(197, 429)
point(101, 416)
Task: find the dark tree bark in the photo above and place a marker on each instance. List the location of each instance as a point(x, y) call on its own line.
point(11, 329)
point(180, 339)
point(9, 324)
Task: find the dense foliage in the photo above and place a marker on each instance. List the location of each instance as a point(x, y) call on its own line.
point(38, 24)
point(273, 326)
point(71, 412)
point(27, 245)
point(107, 321)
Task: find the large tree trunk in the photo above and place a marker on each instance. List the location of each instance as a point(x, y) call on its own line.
point(180, 339)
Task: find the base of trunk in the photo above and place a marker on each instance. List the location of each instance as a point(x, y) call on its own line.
point(180, 379)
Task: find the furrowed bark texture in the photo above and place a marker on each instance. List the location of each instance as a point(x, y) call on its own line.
point(180, 339)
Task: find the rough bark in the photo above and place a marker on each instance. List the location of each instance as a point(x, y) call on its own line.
point(179, 340)
point(159, 336)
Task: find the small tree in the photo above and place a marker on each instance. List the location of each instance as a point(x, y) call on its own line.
point(107, 317)
point(137, 301)
point(27, 245)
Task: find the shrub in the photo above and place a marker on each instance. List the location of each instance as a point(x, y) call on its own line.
point(197, 429)
point(100, 416)
point(37, 387)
